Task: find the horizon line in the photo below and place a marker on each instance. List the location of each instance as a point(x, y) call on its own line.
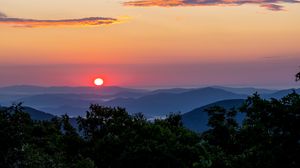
point(153, 87)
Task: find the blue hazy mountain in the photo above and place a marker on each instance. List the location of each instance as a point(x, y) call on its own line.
point(247, 90)
point(35, 114)
point(103, 90)
point(76, 100)
point(197, 119)
point(171, 90)
point(61, 100)
point(152, 103)
point(163, 103)
point(281, 93)
point(72, 111)
point(58, 99)
point(58, 104)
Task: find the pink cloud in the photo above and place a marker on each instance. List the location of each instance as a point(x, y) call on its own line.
point(268, 4)
point(90, 21)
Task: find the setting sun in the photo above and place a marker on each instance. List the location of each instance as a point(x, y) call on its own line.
point(98, 81)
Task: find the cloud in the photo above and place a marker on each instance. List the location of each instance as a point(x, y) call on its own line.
point(2, 15)
point(272, 7)
point(268, 4)
point(90, 21)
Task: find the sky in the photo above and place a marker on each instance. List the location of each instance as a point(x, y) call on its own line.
point(150, 43)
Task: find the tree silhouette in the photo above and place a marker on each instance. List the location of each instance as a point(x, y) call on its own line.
point(268, 137)
point(297, 76)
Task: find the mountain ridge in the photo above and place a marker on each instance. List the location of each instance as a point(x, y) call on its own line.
point(197, 118)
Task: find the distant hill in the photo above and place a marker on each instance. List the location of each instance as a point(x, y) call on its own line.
point(58, 100)
point(35, 114)
point(171, 90)
point(38, 115)
point(160, 104)
point(32, 94)
point(58, 104)
point(72, 111)
point(157, 103)
point(247, 90)
point(281, 93)
point(103, 90)
point(153, 103)
point(197, 119)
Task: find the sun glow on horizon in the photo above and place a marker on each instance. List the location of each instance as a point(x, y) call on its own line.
point(98, 82)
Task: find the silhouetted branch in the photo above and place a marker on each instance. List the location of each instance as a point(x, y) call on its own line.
point(298, 76)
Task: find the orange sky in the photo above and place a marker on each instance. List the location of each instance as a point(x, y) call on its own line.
point(107, 32)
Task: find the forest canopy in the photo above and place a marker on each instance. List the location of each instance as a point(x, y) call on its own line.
point(268, 137)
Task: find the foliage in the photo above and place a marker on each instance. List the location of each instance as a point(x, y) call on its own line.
point(297, 76)
point(268, 137)
point(109, 137)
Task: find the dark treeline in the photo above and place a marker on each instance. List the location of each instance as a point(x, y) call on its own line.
point(109, 137)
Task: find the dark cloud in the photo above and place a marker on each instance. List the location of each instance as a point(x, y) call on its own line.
point(90, 21)
point(2, 15)
point(272, 7)
point(268, 4)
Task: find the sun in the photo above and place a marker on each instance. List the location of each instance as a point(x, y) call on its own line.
point(98, 81)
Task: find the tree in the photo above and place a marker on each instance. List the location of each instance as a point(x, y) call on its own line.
point(110, 137)
point(297, 76)
point(15, 129)
point(268, 137)
point(116, 139)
